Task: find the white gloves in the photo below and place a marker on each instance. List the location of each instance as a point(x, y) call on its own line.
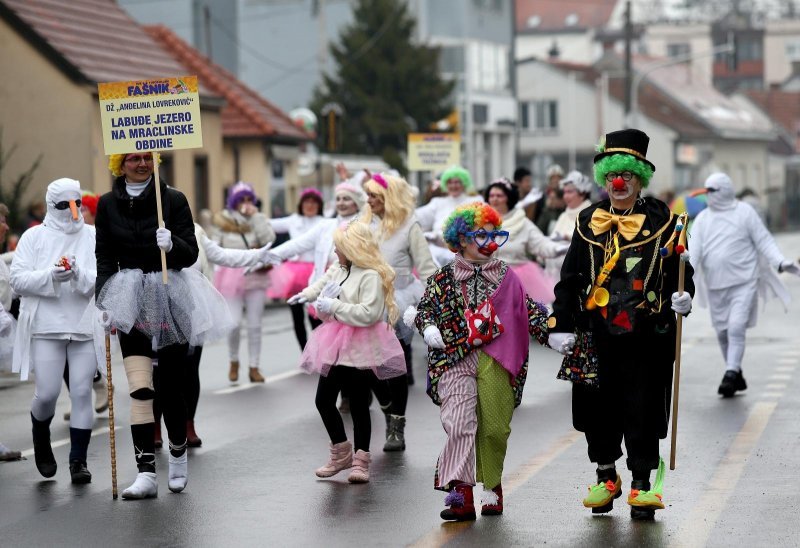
point(792, 267)
point(253, 268)
point(324, 305)
point(682, 303)
point(331, 290)
point(561, 342)
point(409, 316)
point(61, 274)
point(104, 319)
point(164, 239)
point(297, 299)
point(686, 257)
point(268, 257)
point(433, 337)
point(6, 321)
point(562, 249)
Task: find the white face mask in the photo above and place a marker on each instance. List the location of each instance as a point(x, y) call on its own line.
point(721, 194)
point(60, 192)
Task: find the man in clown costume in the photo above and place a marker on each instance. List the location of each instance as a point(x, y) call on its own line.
point(614, 319)
point(739, 261)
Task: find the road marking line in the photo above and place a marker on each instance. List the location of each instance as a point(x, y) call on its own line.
point(776, 386)
point(776, 395)
point(716, 493)
point(448, 531)
point(790, 353)
point(791, 367)
point(275, 378)
point(780, 377)
point(65, 441)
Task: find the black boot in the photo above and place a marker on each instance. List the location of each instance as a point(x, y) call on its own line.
point(395, 438)
point(43, 453)
point(144, 446)
point(638, 513)
point(79, 439)
point(732, 381)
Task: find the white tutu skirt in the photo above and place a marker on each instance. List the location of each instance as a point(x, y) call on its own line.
point(186, 310)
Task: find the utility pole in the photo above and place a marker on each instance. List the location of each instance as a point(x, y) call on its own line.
point(207, 29)
point(628, 68)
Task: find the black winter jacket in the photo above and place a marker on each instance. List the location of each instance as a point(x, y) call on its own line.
point(126, 231)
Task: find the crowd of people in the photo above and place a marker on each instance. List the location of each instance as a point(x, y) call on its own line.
point(477, 276)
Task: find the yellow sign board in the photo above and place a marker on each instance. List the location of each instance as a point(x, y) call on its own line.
point(162, 114)
point(433, 151)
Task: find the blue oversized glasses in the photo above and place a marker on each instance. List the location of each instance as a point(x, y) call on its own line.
point(482, 237)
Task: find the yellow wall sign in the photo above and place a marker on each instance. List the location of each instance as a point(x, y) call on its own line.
point(433, 151)
point(161, 114)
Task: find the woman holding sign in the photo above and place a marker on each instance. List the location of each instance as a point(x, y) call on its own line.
point(153, 320)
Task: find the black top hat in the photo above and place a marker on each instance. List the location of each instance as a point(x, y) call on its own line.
point(627, 141)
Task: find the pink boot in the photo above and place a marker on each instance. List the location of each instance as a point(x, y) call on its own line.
point(340, 459)
point(360, 472)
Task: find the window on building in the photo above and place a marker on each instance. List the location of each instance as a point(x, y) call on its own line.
point(451, 59)
point(480, 113)
point(201, 189)
point(749, 49)
point(678, 50)
point(488, 66)
point(539, 115)
point(793, 50)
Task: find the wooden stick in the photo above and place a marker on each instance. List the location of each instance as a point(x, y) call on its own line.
point(676, 380)
point(111, 431)
point(156, 156)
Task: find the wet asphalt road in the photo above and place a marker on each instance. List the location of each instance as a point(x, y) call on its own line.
point(252, 482)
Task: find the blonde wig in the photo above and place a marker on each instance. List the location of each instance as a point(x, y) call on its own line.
point(357, 242)
point(398, 202)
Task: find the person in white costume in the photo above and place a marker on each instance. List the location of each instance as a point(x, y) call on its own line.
point(738, 261)
point(241, 226)
point(456, 181)
point(576, 188)
point(54, 272)
point(525, 242)
point(292, 276)
point(7, 323)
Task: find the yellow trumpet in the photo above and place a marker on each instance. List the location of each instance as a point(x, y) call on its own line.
point(599, 296)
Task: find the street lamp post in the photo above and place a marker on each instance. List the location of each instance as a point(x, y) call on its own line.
point(633, 117)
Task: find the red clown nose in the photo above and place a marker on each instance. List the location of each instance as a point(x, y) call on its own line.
point(488, 249)
point(618, 183)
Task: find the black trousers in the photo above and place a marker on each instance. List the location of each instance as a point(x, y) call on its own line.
point(168, 379)
point(299, 321)
point(394, 392)
point(191, 384)
point(632, 401)
point(357, 382)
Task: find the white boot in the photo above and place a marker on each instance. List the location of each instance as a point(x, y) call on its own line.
point(145, 487)
point(178, 472)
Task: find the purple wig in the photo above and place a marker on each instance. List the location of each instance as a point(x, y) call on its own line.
point(239, 191)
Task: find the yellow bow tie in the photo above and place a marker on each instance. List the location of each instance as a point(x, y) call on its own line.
point(628, 225)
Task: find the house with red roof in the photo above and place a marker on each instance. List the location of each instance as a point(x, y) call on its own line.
point(55, 54)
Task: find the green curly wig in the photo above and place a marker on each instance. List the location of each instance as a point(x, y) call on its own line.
point(456, 172)
point(619, 163)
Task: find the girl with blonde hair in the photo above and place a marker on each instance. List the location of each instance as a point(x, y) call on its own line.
point(390, 215)
point(353, 345)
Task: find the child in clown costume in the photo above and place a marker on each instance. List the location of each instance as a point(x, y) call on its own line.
point(613, 320)
point(475, 318)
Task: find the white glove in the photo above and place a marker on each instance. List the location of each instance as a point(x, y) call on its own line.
point(409, 316)
point(61, 274)
point(561, 342)
point(682, 303)
point(297, 299)
point(253, 268)
point(104, 319)
point(562, 249)
point(433, 337)
point(686, 257)
point(268, 257)
point(792, 267)
point(164, 239)
point(6, 322)
point(331, 290)
point(324, 305)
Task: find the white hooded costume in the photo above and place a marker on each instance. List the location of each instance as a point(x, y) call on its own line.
point(54, 327)
point(736, 260)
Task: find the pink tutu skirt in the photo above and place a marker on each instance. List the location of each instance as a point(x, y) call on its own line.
point(538, 285)
point(375, 347)
point(288, 279)
point(233, 282)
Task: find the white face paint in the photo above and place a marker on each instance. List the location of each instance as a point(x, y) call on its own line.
point(59, 192)
point(721, 194)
